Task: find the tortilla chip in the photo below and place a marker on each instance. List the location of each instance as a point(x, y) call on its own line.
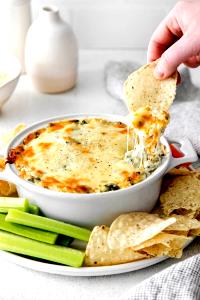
point(158, 210)
point(182, 196)
point(7, 137)
point(180, 171)
point(142, 89)
point(99, 254)
point(166, 239)
point(167, 180)
point(178, 232)
point(162, 250)
point(183, 223)
point(132, 229)
point(194, 232)
point(7, 188)
point(164, 244)
point(2, 163)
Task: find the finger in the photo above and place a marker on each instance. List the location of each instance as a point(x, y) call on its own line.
point(193, 62)
point(164, 36)
point(159, 42)
point(155, 50)
point(178, 53)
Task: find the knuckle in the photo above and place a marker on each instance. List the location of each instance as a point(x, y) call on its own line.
point(166, 60)
point(198, 58)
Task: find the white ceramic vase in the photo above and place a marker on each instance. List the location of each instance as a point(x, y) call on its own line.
point(51, 53)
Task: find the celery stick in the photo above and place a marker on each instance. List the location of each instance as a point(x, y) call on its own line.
point(11, 202)
point(32, 233)
point(64, 240)
point(33, 209)
point(63, 255)
point(44, 223)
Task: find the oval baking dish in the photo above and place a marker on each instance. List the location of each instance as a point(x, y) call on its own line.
point(95, 208)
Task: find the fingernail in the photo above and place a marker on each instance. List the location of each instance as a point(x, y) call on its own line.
point(158, 73)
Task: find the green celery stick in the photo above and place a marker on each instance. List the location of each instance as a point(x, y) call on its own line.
point(11, 202)
point(64, 240)
point(63, 255)
point(32, 233)
point(44, 223)
point(33, 209)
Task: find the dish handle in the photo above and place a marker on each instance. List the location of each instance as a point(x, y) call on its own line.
point(184, 153)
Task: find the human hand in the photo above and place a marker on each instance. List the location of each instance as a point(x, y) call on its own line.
point(177, 39)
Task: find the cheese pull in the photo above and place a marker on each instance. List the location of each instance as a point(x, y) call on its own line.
point(145, 129)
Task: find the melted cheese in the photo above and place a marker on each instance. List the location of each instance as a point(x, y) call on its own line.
point(146, 128)
point(80, 156)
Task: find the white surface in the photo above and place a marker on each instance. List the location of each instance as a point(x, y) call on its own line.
point(111, 23)
point(26, 105)
point(84, 271)
point(119, 24)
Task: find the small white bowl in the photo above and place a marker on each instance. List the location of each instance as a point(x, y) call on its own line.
point(10, 66)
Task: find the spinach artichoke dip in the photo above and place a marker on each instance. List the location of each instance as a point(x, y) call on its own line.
point(90, 155)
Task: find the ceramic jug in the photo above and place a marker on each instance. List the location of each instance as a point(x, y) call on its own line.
point(51, 52)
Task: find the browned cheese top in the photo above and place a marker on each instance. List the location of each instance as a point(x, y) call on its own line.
point(76, 156)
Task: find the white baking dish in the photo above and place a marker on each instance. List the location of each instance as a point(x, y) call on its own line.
point(95, 208)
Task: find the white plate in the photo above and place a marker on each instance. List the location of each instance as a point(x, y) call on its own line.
point(83, 271)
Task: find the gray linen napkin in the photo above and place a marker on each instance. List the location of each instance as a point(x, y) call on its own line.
point(181, 281)
point(185, 111)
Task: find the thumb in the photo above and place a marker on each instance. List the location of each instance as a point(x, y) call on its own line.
point(178, 53)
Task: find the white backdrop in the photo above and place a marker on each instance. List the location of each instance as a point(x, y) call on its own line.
point(111, 24)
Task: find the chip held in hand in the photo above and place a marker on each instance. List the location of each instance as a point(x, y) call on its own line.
point(142, 89)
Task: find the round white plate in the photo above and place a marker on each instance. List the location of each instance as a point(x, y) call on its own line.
point(83, 271)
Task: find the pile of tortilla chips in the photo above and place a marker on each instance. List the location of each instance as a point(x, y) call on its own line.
point(139, 235)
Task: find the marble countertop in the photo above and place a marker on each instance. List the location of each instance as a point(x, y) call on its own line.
point(27, 105)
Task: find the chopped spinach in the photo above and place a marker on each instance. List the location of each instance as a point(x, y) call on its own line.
point(34, 179)
point(83, 122)
point(111, 187)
